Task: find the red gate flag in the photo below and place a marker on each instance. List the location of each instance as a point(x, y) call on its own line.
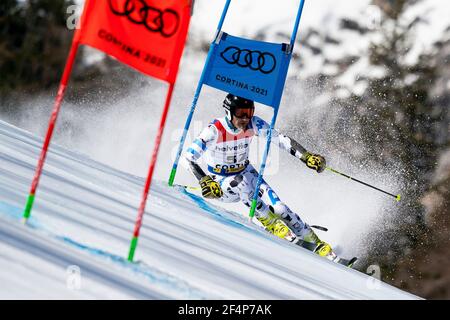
point(148, 35)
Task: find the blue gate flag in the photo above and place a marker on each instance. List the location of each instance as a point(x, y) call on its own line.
point(250, 69)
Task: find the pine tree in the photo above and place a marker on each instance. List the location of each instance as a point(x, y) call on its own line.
point(396, 123)
point(397, 118)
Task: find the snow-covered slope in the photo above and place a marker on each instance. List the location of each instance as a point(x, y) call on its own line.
point(84, 216)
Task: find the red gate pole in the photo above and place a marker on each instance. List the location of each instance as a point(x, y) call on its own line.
point(141, 211)
point(51, 126)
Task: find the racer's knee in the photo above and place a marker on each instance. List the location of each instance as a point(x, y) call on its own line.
point(280, 209)
point(291, 218)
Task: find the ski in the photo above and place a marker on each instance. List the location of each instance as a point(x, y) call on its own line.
point(320, 228)
point(291, 237)
point(348, 262)
point(313, 247)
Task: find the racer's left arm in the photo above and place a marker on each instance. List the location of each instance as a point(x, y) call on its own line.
point(312, 161)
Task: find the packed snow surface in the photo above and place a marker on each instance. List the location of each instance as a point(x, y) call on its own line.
point(76, 242)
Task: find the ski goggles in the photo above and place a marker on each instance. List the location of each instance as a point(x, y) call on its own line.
point(241, 112)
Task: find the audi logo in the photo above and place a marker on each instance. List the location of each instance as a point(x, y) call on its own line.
point(165, 22)
point(263, 62)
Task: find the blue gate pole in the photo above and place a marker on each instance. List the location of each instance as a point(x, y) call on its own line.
point(263, 164)
point(274, 119)
point(197, 94)
point(297, 23)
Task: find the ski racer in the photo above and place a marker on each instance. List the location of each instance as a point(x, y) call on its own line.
point(232, 178)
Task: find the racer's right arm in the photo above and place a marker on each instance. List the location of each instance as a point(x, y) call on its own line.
point(198, 147)
point(210, 188)
point(196, 170)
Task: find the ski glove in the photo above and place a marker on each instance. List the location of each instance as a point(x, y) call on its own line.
point(314, 161)
point(210, 188)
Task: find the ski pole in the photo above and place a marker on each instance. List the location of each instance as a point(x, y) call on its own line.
point(188, 187)
point(320, 228)
point(397, 197)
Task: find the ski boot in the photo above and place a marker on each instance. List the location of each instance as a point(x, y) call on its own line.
point(312, 242)
point(273, 224)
